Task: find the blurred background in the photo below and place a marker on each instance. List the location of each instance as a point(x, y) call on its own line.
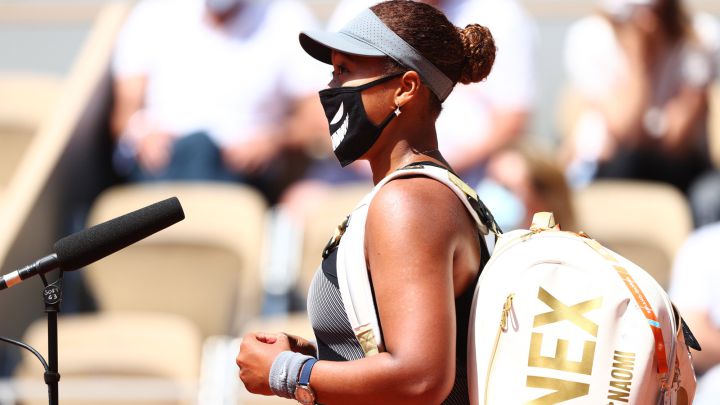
point(601, 111)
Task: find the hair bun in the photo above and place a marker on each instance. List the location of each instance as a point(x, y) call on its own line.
point(479, 48)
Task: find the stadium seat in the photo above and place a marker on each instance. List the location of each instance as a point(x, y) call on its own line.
point(162, 297)
point(117, 359)
point(645, 222)
point(321, 224)
point(205, 268)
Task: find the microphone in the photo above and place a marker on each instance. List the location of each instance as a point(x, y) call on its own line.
point(92, 244)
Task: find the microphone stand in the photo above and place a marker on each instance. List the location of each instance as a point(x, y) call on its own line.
point(52, 296)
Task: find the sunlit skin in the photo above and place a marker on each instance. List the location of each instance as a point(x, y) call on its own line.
point(422, 250)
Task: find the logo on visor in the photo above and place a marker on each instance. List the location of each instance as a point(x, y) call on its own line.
point(339, 134)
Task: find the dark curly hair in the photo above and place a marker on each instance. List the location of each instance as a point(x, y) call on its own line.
point(465, 55)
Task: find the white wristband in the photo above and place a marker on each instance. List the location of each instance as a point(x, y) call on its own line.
point(284, 373)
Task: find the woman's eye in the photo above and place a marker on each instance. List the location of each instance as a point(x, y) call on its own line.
point(341, 69)
point(337, 74)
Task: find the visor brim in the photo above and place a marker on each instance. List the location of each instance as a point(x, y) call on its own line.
point(320, 45)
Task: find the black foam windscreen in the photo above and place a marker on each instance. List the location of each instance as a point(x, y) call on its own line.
point(92, 244)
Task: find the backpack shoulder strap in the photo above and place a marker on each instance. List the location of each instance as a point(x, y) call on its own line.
point(480, 213)
point(353, 276)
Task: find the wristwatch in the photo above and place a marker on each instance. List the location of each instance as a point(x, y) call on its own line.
point(303, 393)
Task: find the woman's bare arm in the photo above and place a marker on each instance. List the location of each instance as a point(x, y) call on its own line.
point(414, 230)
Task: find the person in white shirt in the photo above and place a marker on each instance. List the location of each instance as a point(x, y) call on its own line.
point(642, 70)
point(693, 288)
point(204, 89)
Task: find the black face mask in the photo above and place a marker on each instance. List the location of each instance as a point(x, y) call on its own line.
point(352, 132)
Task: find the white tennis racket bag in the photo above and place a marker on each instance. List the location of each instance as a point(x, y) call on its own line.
point(558, 318)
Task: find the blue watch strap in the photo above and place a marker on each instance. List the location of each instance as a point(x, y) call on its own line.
point(305, 373)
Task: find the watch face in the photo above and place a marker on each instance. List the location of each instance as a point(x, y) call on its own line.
point(304, 395)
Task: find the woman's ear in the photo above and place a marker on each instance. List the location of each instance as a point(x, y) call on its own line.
point(409, 88)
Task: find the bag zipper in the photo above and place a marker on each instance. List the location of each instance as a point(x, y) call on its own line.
point(502, 327)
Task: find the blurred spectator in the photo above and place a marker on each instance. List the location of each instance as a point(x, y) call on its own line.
point(643, 69)
point(476, 120)
point(693, 288)
point(521, 181)
point(207, 90)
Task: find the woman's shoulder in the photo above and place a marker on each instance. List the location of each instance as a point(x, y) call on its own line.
point(418, 218)
point(416, 199)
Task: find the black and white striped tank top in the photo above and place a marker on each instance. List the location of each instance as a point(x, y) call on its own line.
point(336, 340)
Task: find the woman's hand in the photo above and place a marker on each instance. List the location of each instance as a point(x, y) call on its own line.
point(257, 353)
